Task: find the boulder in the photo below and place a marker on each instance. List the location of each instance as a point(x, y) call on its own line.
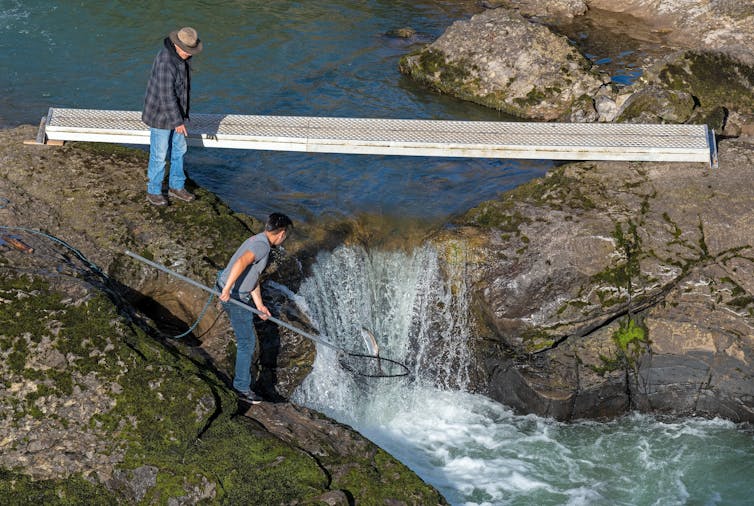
point(557, 10)
point(505, 58)
point(696, 87)
point(501, 60)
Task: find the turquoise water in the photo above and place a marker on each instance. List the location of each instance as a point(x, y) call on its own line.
point(283, 58)
point(333, 59)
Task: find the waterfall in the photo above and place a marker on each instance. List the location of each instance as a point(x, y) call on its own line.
point(475, 451)
point(417, 313)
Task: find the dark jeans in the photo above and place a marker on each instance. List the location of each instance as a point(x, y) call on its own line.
point(242, 321)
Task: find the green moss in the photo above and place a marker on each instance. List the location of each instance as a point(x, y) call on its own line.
point(622, 274)
point(741, 302)
point(714, 117)
point(715, 79)
point(21, 316)
point(608, 365)
point(536, 340)
point(378, 478)
point(213, 221)
point(534, 97)
point(17, 357)
point(608, 300)
point(577, 304)
point(252, 464)
point(107, 149)
point(703, 249)
point(665, 105)
point(20, 490)
point(737, 290)
point(556, 191)
point(171, 412)
point(676, 231)
point(433, 69)
point(629, 337)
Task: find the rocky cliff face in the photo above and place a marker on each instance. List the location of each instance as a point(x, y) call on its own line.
point(606, 287)
point(98, 405)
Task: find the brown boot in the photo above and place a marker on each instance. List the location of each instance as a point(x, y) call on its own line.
point(157, 199)
point(181, 194)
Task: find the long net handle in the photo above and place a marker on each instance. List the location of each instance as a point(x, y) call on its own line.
point(308, 335)
point(234, 301)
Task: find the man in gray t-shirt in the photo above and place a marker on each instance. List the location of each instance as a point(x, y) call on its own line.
point(240, 279)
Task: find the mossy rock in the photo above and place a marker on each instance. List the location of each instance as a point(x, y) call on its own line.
point(717, 82)
point(657, 105)
point(20, 490)
point(435, 70)
point(557, 190)
point(145, 404)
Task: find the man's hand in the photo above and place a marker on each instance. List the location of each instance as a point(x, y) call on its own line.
point(265, 313)
point(181, 129)
point(225, 297)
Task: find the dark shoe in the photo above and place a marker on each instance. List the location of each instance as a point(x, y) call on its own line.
point(157, 200)
point(249, 396)
point(181, 194)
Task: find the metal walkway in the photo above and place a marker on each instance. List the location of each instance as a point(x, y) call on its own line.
point(479, 139)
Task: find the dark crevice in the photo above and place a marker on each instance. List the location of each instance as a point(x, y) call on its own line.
point(218, 406)
point(577, 370)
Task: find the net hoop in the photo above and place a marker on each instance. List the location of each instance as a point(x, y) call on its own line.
point(344, 364)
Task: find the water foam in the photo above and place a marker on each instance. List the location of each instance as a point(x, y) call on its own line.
point(477, 452)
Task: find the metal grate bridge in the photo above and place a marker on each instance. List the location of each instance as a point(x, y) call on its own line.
point(479, 139)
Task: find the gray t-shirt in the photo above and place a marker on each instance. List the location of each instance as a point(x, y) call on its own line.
point(259, 245)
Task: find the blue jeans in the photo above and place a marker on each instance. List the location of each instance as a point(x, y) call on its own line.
point(242, 321)
point(159, 143)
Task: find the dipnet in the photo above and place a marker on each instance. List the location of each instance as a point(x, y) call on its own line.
point(371, 366)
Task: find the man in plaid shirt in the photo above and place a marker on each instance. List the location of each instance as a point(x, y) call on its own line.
point(166, 110)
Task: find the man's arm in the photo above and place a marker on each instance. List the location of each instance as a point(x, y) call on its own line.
point(256, 296)
point(236, 269)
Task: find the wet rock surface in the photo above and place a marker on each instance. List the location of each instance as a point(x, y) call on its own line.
point(606, 287)
point(717, 25)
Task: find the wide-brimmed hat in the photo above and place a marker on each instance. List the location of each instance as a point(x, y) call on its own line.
point(187, 39)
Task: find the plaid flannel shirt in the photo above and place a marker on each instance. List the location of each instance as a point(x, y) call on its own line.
point(166, 101)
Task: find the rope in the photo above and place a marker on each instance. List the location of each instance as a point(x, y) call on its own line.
point(196, 323)
point(75, 251)
point(96, 269)
point(308, 335)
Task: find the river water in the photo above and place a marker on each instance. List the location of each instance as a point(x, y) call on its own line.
point(333, 59)
point(281, 58)
point(478, 452)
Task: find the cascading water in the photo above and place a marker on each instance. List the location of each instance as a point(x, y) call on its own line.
point(416, 317)
point(476, 451)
